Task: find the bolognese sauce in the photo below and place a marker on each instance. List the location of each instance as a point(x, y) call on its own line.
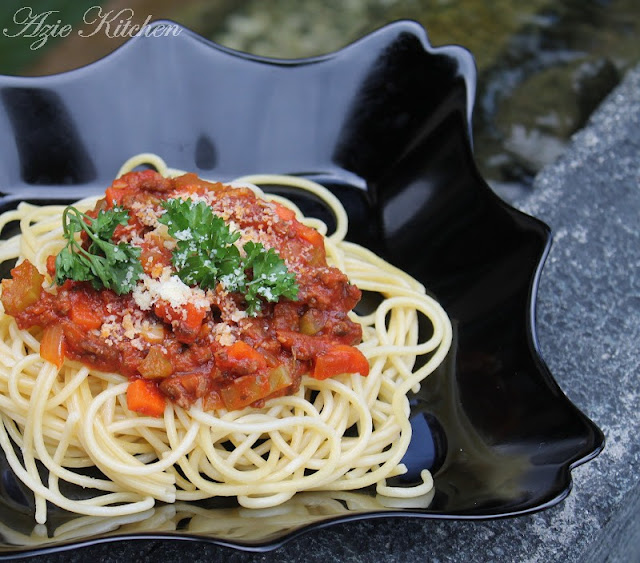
point(186, 343)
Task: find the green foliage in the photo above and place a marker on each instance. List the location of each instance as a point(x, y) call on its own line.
point(205, 254)
point(103, 263)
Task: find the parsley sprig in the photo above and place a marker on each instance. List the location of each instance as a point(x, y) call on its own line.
point(270, 278)
point(204, 250)
point(103, 263)
point(205, 254)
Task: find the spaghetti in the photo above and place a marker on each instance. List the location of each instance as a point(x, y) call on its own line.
point(340, 433)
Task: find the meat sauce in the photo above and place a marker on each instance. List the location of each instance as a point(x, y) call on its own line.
point(205, 347)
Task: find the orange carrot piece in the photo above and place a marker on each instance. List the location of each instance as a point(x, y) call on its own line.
point(285, 213)
point(240, 351)
point(85, 313)
point(310, 235)
point(340, 359)
point(144, 397)
point(116, 192)
point(194, 315)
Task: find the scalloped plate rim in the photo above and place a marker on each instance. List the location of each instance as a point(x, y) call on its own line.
point(460, 53)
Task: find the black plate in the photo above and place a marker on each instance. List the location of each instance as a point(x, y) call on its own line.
point(385, 123)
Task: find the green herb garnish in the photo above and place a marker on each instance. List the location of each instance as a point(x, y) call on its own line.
point(270, 278)
point(204, 250)
point(103, 263)
point(205, 254)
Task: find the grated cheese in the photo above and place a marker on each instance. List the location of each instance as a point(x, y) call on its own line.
point(145, 214)
point(170, 288)
point(223, 333)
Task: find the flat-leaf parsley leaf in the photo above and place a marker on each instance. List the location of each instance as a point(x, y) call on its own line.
point(204, 249)
point(103, 263)
point(270, 277)
point(205, 254)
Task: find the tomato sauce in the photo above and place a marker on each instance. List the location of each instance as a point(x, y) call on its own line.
point(205, 348)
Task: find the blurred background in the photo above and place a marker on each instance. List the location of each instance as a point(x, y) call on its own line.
point(543, 65)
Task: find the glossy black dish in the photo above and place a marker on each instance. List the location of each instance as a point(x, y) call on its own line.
point(385, 123)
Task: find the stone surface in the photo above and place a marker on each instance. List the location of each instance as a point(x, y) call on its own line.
point(589, 329)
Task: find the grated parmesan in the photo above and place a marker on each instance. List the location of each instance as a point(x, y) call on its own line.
point(170, 288)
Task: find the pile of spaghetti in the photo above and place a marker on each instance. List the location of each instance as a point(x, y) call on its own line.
point(207, 347)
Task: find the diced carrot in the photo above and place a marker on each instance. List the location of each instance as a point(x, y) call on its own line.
point(338, 360)
point(52, 345)
point(119, 184)
point(191, 183)
point(195, 316)
point(155, 365)
point(23, 289)
point(285, 213)
point(191, 318)
point(240, 350)
point(114, 193)
point(310, 235)
point(85, 312)
point(144, 397)
point(241, 358)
